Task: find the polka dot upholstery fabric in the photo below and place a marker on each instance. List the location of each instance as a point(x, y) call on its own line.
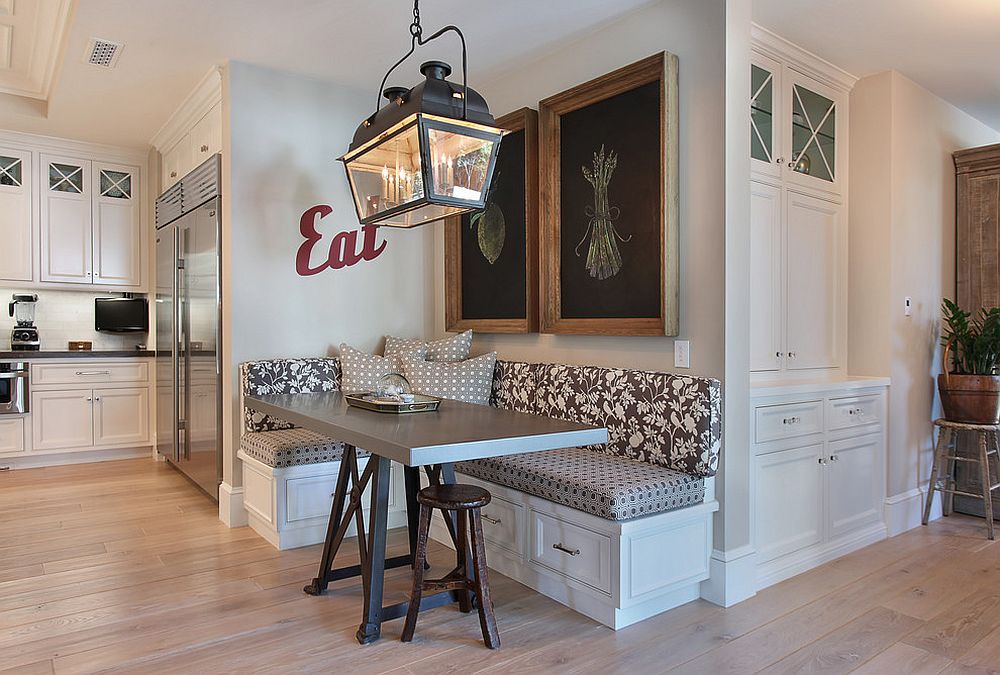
point(292, 447)
point(470, 381)
point(361, 371)
point(611, 487)
point(450, 349)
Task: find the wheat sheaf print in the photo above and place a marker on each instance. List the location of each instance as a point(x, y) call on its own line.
point(604, 259)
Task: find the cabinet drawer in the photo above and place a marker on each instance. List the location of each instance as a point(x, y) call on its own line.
point(11, 435)
point(89, 373)
point(853, 411)
point(502, 524)
point(572, 551)
point(788, 420)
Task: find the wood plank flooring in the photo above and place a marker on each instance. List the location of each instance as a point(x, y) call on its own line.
point(124, 567)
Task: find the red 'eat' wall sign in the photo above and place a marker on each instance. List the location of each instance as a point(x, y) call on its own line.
point(343, 250)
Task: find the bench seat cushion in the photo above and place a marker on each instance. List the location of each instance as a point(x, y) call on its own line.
point(292, 447)
point(616, 488)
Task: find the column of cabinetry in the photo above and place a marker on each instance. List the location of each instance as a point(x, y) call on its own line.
point(798, 157)
point(193, 133)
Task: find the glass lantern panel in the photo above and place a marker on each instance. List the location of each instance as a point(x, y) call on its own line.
point(116, 184)
point(388, 174)
point(761, 113)
point(814, 124)
point(10, 171)
point(427, 213)
point(459, 164)
point(66, 178)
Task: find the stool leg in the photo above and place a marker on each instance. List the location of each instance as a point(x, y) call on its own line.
point(464, 605)
point(984, 471)
point(948, 498)
point(939, 451)
point(486, 619)
point(419, 560)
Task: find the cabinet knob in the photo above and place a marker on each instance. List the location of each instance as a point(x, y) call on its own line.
point(173, 174)
point(780, 160)
point(204, 148)
point(89, 398)
point(791, 355)
point(777, 355)
point(834, 458)
point(791, 165)
point(822, 460)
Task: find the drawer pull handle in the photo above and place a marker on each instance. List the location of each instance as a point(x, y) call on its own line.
point(494, 521)
point(570, 551)
point(93, 372)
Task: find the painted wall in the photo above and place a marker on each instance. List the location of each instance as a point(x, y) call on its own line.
point(694, 30)
point(902, 233)
point(283, 135)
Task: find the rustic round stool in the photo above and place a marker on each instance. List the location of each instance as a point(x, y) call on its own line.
point(943, 470)
point(464, 501)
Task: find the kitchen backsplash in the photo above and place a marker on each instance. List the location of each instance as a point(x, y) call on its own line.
point(62, 316)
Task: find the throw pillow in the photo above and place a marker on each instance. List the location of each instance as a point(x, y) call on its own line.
point(360, 371)
point(469, 381)
point(452, 348)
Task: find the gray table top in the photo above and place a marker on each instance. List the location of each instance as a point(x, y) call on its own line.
point(455, 432)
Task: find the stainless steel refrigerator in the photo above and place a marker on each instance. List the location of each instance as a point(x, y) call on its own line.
point(188, 326)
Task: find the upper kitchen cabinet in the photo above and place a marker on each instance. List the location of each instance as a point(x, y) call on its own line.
point(90, 222)
point(193, 133)
point(16, 180)
point(766, 156)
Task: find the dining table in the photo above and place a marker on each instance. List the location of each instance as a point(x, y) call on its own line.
point(433, 441)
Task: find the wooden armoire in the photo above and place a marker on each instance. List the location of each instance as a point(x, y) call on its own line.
point(977, 262)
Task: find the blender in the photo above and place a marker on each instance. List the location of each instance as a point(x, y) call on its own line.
point(24, 337)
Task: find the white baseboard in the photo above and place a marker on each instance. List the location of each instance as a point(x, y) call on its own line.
point(784, 567)
point(231, 509)
point(733, 576)
point(35, 461)
point(905, 511)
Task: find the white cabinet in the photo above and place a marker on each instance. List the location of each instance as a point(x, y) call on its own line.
point(12, 436)
point(766, 265)
point(120, 416)
point(62, 419)
point(854, 490)
point(16, 180)
point(784, 478)
point(199, 142)
point(175, 162)
point(90, 222)
point(766, 155)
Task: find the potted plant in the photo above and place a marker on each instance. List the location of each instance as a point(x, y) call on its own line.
point(969, 385)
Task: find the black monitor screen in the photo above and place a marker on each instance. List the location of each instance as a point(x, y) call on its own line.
point(121, 314)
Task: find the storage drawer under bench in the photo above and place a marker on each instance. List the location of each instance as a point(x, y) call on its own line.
point(571, 550)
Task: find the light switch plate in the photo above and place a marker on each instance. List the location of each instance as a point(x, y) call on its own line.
point(682, 354)
point(907, 306)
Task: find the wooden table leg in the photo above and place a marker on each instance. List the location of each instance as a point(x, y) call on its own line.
point(411, 478)
point(371, 624)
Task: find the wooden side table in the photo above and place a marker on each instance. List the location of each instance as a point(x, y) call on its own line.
point(945, 459)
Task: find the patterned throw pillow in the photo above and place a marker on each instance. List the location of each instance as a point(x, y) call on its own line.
point(468, 381)
point(451, 349)
point(361, 371)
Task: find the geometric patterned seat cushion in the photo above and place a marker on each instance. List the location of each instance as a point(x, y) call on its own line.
point(292, 447)
point(616, 488)
point(284, 376)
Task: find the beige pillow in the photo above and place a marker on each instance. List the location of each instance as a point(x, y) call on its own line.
point(360, 371)
point(452, 348)
point(470, 381)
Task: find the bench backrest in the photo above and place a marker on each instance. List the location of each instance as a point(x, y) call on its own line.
point(284, 376)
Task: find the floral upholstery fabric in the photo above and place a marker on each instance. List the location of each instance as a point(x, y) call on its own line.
point(611, 487)
point(515, 386)
point(292, 447)
point(452, 348)
point(285, 376)
point(673, 421)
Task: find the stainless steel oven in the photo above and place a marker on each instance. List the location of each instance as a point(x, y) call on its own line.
point(15, 390)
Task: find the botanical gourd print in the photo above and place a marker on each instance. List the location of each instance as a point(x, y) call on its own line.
point(604, 260)
point(492, 227)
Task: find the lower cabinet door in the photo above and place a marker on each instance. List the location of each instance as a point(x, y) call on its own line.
point(62, 419)
point(855, 480)
point(11, 436)
point(121, 416)
point(789, 500)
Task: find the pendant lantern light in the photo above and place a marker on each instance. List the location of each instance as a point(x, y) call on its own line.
point(428, 152)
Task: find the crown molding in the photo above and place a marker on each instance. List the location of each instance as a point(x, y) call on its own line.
point(196, 105)
point(38, 142)
point(803, 60)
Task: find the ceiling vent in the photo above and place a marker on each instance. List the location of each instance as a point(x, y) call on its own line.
point(103, 53)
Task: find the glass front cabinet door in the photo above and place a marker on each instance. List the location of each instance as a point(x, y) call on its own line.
point(766, 156)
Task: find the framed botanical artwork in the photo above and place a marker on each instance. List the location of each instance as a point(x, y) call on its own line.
point(608, 203)
point(491, 257)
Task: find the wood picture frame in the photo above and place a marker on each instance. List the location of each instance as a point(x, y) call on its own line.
point(459, 316)
point(639, 79)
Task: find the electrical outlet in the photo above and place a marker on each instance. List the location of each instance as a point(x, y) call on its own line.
point(682, 354)
point(907, 306)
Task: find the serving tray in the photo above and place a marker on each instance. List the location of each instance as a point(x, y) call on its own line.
point(420, 403)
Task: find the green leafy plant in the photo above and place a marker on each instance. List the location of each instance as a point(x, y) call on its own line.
point(975, 340)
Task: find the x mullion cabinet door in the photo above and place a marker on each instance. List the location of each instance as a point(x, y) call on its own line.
point(66, 227)
point(16, 179)
point(815, 118)
point(767, 157)
point(116, 232)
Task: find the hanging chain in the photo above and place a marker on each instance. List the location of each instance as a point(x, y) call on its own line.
point(415, 28)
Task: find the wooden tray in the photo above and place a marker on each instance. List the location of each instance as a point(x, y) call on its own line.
point(420, 403)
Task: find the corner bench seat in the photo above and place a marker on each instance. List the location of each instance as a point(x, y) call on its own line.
point(616, 488)
point(292, 447)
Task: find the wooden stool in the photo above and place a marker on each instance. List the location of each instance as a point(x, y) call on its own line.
point(943, 471)
point(462, 499)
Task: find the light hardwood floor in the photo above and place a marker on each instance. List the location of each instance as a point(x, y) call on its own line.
point(123, 566)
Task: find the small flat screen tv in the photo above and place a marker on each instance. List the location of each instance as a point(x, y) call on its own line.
point(121, 315)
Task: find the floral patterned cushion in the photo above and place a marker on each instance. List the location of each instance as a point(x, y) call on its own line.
point(670, 420)
point(615, 488)
point(292, 447)
point(515, 386)
point(285, 376)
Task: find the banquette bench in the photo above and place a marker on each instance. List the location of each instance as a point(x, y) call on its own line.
point(619, 532)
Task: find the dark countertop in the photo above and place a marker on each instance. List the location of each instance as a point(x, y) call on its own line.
point(96, 354)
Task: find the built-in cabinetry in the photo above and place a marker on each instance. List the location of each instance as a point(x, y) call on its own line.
point(798, 259)
point(817, 480)
point(81, 405)
point(72, 214)
point(193, 133)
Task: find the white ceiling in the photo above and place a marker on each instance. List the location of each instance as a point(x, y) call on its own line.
point(950, 47)
point(171, 44)
point(31, 34)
